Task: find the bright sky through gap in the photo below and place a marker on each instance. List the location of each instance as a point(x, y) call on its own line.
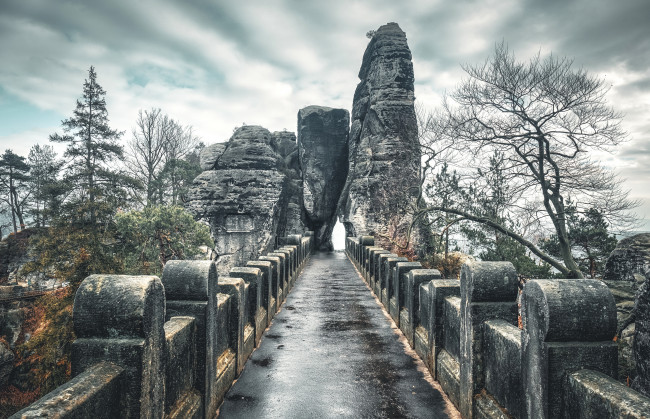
point(216, 65)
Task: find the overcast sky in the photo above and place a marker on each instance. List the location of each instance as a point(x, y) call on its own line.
point(217, 64)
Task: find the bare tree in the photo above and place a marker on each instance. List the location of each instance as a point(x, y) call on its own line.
point(157, 146)
point(146, 149)
point(181, 142)
point(543, 117)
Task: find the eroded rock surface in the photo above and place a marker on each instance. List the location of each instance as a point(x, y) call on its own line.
point(6, 363)
point(243, 196)
point(384, 153)
point(323, 151)
point(641, 343)
point(629, 260)
point(284, 144)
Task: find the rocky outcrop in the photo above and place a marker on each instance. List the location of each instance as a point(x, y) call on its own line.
point(384, 153)
point(15, 253)
point(284, 144)
point(629, 260)
point(641, 343)
point(6, 363)
point(323, 151)
point(243, 194)
point(625, 275)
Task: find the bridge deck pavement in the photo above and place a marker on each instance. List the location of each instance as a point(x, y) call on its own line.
point(331, 352)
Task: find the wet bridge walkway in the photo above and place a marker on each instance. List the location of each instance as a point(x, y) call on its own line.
point(331, 352)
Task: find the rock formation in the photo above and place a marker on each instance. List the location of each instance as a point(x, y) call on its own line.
point(243, 194)
point(629, 260)
point(384, 153)
point(641, 343)
point(284, 143)
point(6, 363)
point(259, 185)
point(323, 151)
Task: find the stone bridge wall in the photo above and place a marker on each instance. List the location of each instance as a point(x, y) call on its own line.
point(169, 347)
point(561, 364)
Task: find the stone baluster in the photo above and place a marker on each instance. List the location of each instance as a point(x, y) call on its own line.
point(568, 325)
point(190, 289)
point(488, 291)
point(120, 319)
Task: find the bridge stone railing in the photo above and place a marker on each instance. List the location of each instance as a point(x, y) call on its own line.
point(152, 348)
point(561, 364)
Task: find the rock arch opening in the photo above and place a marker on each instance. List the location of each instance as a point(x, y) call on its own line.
point(338, 236)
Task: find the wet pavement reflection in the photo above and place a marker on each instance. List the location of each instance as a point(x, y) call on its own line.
point(332, 353)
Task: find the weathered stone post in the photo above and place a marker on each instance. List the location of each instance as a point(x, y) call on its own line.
point(371, 265)
point(488, 291)
point(276, 277)
point(120, 318)
point(364, 243)
point(376, 268)
point(388, 287)
point(431, 300)
point(410, 319)
point(270, 297)
point(568, 325)
point(257, 315)
point(285, 275)
point(397, 302)
point(367, 274)
point(293, 262)
point(380, 280)
point(190, 289)
point(240, 331)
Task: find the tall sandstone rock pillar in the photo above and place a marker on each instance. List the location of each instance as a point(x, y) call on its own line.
point(323, 150)
point(384, 153)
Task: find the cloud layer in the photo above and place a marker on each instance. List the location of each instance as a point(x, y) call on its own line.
point(216, 65)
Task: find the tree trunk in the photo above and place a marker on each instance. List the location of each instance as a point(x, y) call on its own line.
point(12, 202)
point(559, 222)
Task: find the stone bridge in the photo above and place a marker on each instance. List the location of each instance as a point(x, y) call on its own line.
point(194, 344)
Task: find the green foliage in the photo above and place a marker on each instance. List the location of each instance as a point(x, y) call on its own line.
point(96, 189)
point(176, 178)
point(156, 234)
point(71, 252)
point(448, 264)
point(506, 249)
point(43, 183)
point(47, 353)
point(590, 241)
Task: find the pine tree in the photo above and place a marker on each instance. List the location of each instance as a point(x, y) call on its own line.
point(591, 242)
point(97, 189)
point(43, 182)
point(13, 175)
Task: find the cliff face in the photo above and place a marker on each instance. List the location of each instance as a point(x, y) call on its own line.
point(323, 151)
point(243, 194)
point(384, 153)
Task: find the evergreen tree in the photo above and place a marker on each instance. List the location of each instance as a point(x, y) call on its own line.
point(156, 234)
point(43, 183)
point(591, 242)
point(14, 173)
point(97, 189)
